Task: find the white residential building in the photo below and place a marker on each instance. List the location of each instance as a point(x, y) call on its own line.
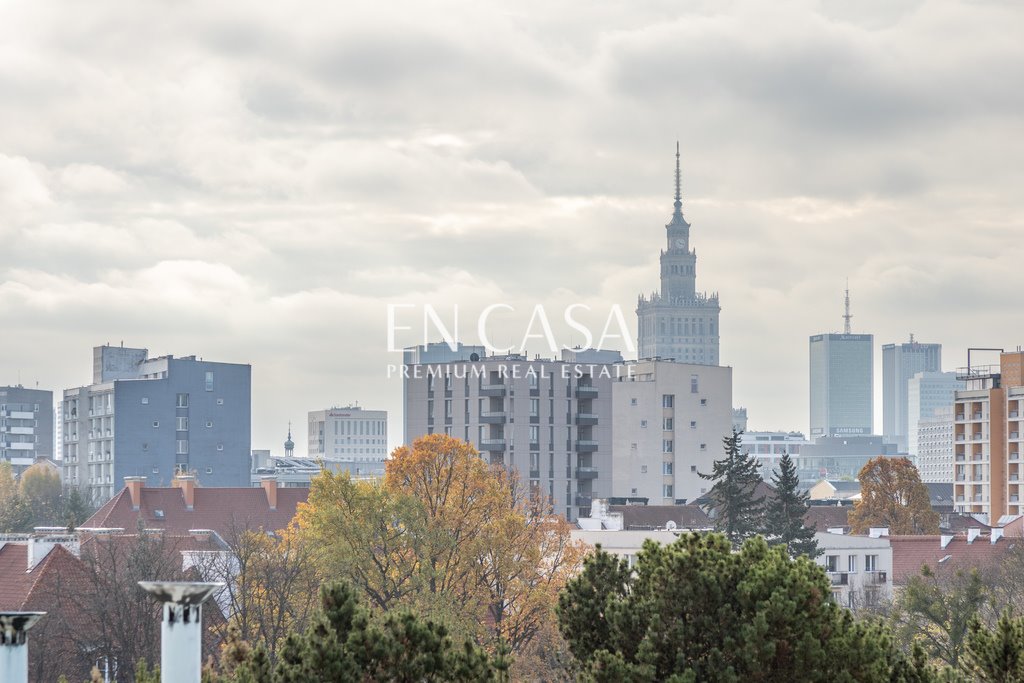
point(926, 393)
point(859, 567)
point(349, 433)
point(668, 422)
point(934, 443)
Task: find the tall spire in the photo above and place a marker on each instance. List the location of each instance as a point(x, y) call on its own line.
point(847, 315)
point(679, 175)
point(289, 445)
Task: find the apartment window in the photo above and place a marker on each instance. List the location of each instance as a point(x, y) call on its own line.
point(643, 423)
point(666, 445)
point(182, 401)
point(668, 400)
point(871, 563)
point(145, 446)
point(831, 563)
point(182, 447)
point(447, 382)
point(666, 468)
point(666, 491)
point(851, 563)
point(666, 424)
point(643, 469)
point(632, 492)
point(209, 424)
point(220, 446)
point(209, 470)
point(534, 407)
point(209, 380)
point(703, 446)
point(156, 423)
point(220, 401)
point(448, 430)
point(693, 468)
point(694, 384)
point(534, 434)
point(182, 425)
point(703, 401)
point(145, 400)
point(632, 446)
point(632, 401)
point(693, 424)
point(447, 409)
point(534, 462)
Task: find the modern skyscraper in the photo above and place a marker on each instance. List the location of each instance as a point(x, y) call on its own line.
point(928, 392)
point(678, 322)
point(900, 362)
point(157, 417)
point(842, 382)
point(26, 426)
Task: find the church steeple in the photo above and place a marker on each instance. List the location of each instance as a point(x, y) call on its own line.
point(289, 445)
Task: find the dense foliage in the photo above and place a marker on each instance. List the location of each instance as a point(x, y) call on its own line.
point(892, 496)
point(736, 508)
point(785, 513)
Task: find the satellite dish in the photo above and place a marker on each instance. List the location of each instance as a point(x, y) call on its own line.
point(671, 526)
point(474, 357)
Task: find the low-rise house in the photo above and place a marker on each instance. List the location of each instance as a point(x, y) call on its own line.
point(859, 567)
point(835, 491)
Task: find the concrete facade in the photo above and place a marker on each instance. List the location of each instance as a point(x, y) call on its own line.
point(26, 426)
point(549, 420)
point(900, 362)
point(841, 384)
point(678, 322)
point(859, 567)
point(928, 392)
point(350, 434)
point(156, 417)
point(934, 445)
point(769, 447)
point(987, 428)
point(668, 422)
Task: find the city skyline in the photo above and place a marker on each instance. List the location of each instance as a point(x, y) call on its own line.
point(257, 196)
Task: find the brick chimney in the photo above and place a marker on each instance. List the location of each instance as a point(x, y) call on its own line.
point(187, 484)
point(135, 486)
point(269, 485)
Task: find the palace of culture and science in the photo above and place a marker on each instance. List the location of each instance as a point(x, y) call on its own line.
point(678, 322)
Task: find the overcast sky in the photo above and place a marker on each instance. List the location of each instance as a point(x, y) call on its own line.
point(254, 182)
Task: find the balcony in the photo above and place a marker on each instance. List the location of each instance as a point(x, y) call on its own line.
point(960, 499)
point(585, 473)
point(1014, 455)
point(586, 418)
point(839, 578)
point(1014, 435)
point(586, 446)
point(876, 578)
point(960, 457)
point(959, 417)
point(586, 391)
point(492, 389)
point(961, 477)
point(583, 500)
point(976, 416)
point(1013, 414)
point(959, 437)
point(495, 417)
point(493, 445)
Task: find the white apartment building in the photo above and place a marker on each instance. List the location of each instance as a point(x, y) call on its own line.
point(668, 422)
point(26, 426)
point(549, 420)
point(769, 447)
point(859, 567)
point(348, 433)
point(934, 444)
point(926, 393)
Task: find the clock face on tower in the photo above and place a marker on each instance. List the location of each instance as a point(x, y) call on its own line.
point(680, 243)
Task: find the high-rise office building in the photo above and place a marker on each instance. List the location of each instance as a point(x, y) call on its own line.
point(678, 323)
point(842, 382)
point(156, 417)
point(549, 420)
point(900, 362)
point(668, 421)
point(26, 426)
point(352, 438)
point(928, 392)
point(988, 422)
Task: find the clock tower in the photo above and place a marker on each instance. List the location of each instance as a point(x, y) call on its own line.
point(678, 322)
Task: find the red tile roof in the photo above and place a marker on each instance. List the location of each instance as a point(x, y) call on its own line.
point(20, 587)
point(911, 553)
point(224, 510)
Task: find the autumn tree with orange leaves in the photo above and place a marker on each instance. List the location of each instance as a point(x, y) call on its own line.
point(892, 496)
point(449, 535)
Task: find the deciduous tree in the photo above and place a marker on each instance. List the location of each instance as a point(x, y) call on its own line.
point(892, 496)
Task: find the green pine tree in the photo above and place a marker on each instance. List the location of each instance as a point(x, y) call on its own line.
point(697, 610)
point(996, 655)
point(785, 513)
point(737, 510)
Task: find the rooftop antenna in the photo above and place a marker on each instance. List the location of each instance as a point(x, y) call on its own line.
point(847, 315)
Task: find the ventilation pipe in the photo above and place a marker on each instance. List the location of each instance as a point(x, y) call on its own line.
point(181, 635)
point(14, 628)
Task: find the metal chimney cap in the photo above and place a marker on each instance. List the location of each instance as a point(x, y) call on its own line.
point(12, 623)
point(180, 592)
